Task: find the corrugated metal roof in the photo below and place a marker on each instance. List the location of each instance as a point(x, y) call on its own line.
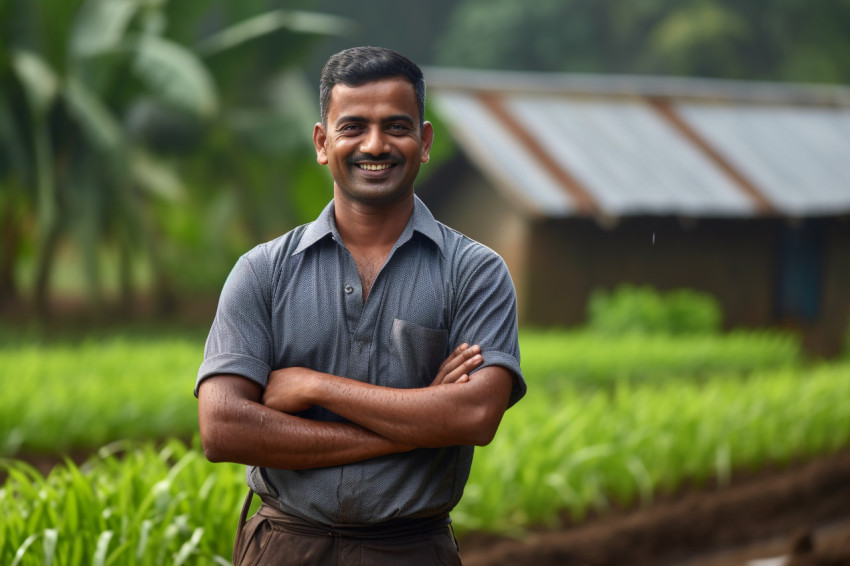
point(561, 145)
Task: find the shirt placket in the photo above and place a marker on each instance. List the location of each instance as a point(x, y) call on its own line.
point(360, 332)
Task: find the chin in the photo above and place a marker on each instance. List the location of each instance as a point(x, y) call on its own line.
point(376, 197)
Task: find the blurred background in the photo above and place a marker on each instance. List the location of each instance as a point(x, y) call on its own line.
point(146, 144)
point(667, 180)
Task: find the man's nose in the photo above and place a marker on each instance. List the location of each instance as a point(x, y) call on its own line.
point(374, 143)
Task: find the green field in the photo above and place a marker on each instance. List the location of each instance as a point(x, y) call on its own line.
point(607, 421)
point(70, 395)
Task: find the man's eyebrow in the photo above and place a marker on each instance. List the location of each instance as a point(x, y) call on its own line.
point(362, 120)
point(349, 119)
point(397, 118)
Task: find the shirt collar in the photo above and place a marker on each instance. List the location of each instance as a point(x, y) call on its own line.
point(421, 221)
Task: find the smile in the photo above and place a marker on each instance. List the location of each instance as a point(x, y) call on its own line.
point(374, 166)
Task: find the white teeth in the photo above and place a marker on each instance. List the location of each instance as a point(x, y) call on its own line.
point(374, 166)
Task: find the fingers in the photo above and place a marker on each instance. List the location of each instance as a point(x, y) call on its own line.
point(457, 352)
point(457, 366)
point(464, 369)
point(461, 355)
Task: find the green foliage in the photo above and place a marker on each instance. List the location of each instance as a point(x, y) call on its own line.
point(64, 395)
point(133, 504)
point(642, 310)
point(795, 40)
point(597, 360)
point(68, 94)
point(59, 397)
point(111, 111)
point(564, 448)
point(606, 422)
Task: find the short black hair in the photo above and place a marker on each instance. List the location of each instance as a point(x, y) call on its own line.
point(360, 65)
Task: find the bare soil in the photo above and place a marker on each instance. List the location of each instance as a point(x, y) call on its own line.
point(795, 516)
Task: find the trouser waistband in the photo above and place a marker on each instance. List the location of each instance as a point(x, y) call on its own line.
point(389, 529)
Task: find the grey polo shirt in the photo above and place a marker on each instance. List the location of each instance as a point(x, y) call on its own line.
point(297, 302)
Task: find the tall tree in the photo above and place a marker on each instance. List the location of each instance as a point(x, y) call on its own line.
point(91, 94)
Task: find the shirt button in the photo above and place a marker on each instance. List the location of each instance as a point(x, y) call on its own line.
point(349, 289)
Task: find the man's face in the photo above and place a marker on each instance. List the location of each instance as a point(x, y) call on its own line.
point(372, 142)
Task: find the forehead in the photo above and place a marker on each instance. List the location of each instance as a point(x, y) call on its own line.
point(382, 97)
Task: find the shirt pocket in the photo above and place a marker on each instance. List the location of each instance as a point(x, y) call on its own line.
point(417, 353)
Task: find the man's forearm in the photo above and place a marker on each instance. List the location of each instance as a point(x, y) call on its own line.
point(235, 427)
point(443, 415)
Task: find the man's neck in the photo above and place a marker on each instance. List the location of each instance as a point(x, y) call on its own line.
point(370, 232)
point(368, 227)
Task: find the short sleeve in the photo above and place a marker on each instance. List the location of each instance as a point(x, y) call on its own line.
point(486, 313)
point(240, 339)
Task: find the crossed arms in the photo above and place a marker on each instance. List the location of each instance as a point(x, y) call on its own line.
point(240, 422)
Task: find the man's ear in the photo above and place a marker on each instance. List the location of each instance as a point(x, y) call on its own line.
point(427, 140)
point(319, 140)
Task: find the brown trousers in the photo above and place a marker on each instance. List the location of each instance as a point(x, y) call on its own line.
point(272, 537)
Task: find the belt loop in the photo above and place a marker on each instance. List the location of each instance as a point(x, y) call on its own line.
point(454, 538)
point(243, 517)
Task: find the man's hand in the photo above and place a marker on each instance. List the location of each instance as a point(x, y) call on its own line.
point(287, 389)
point(456, 368)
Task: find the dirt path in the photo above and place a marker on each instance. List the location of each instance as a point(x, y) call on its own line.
point(777, 551)
point(757, 517)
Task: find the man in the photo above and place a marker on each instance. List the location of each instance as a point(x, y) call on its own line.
point(355, 361)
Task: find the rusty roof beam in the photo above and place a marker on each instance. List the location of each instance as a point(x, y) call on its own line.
point(665, 108)
point(584, 202)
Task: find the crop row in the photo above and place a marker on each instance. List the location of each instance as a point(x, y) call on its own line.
point(64, 396)
point(591, 359)
point(59, 397)
point(139, 506)
point(581, 450)
point(575, 450)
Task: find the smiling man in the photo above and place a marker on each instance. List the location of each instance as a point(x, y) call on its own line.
point(355, 361)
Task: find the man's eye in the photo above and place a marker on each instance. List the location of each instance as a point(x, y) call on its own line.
point(397, 128)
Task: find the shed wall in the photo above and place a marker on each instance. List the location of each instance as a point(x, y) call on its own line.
point(556, 263)
point(735, 260)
